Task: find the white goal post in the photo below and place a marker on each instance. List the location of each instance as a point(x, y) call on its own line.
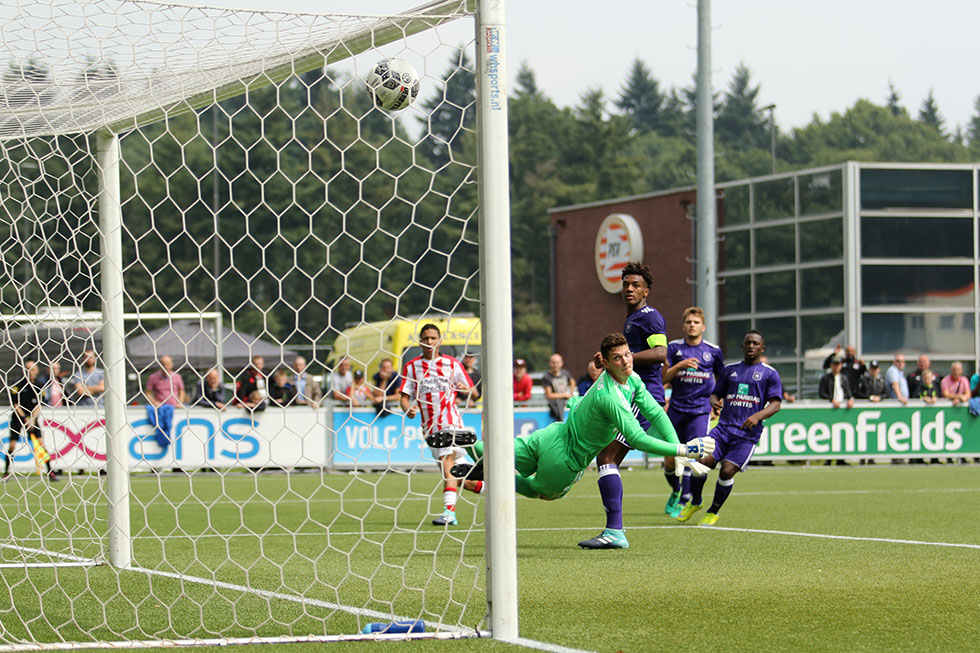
point(168, 161)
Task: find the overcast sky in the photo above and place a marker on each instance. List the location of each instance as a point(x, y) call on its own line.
point(809, 57)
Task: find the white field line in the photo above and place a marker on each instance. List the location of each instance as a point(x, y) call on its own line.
point(563, 529)
point(526, 643)
point(457, 630)
point(238, 641)
point(542, 646)
point(393, 502)
point(217, 641)
point(63, 556)
point(887, 540)
point(46, 565)
point(302, 600)
point(444, 631)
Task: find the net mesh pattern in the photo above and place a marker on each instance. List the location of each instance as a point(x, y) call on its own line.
point(268, 207)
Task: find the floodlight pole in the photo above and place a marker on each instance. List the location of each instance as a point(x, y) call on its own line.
point(772, 134)
point(706, 286)
point(114, 350)
point(496, 311)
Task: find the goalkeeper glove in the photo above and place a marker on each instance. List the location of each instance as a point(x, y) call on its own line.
point(696, 468)
point(697, 448)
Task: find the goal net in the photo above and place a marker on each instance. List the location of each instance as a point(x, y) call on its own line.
point(194, 203)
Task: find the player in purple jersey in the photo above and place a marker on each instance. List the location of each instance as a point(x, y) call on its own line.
point(751, 391)
point(693, 364)
point(646, 334)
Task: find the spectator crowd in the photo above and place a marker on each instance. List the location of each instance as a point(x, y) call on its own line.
point(846, 378)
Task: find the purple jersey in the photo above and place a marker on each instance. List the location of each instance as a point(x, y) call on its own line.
point(746, 389)
point(691, 388)
point(646, 329)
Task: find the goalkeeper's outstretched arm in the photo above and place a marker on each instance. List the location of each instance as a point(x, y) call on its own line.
point(660, 425)
point(626, 424)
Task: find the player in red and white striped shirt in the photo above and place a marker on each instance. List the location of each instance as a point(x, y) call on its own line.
point(429, 387)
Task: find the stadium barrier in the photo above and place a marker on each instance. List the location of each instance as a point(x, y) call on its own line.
point(339, 438)
point(201, 437)
point(817, 431)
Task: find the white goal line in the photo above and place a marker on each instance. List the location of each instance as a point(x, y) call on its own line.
point(443, 631)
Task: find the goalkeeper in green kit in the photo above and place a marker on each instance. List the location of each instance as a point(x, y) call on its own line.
point(550, 460)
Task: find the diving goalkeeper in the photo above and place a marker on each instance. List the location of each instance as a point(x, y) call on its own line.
point(550, 460)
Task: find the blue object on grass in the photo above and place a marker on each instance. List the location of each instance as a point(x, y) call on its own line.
point(392, 627)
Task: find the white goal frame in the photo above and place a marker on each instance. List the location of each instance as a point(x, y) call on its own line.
point(495, 275)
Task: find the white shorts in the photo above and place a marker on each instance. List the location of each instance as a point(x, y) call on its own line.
point(442, 452)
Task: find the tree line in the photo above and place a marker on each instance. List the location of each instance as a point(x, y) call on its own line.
point(300, 208)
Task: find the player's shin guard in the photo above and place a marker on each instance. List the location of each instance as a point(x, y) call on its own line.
point(697, 485)
point(722, 490)
point(611, 491)
point(449, 495)
point(686, 486)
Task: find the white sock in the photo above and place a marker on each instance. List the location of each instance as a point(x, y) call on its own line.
point(449, 498)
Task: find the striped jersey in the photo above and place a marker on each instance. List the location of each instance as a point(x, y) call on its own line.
point(433, 383)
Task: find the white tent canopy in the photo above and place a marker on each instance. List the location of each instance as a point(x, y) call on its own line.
point(193, 343)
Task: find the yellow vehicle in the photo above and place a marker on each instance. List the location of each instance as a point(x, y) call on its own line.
point(398, 339)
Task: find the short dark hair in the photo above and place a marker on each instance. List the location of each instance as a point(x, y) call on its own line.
point(756, 332)
point(635, 267)
point(430, 325)
point(610, 342)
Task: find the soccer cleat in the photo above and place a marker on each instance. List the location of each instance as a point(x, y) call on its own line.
point(607, 539)
point(688, 511)
point(467, 471)
point(448, 519)
point(53, 475)
point(673, 507)
point(710, 519)
point(450, 438)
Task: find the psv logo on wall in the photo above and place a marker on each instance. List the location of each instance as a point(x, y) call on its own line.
point(618, 241)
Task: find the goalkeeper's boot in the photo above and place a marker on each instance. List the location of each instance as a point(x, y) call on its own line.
point(607, 539)
point(467, 471)
point(448, 518)
point(688, 511)
point(450, 438)
point(673, 507)
point(710, 519)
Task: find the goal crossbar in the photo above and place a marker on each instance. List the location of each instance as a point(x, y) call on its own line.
point(104, 100)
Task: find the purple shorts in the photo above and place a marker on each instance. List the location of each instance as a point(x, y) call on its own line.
point(735, 449)
point(688, 426)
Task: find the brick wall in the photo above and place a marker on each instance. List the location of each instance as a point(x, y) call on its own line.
point(584, 311)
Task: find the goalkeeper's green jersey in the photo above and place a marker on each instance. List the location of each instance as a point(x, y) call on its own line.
point(606, 410)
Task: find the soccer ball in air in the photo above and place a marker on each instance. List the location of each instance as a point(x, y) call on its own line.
point(394, 84)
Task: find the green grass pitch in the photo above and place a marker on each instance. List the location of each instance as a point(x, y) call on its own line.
point(816, 558)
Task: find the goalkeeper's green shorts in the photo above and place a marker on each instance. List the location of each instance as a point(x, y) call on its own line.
point(541, 460)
